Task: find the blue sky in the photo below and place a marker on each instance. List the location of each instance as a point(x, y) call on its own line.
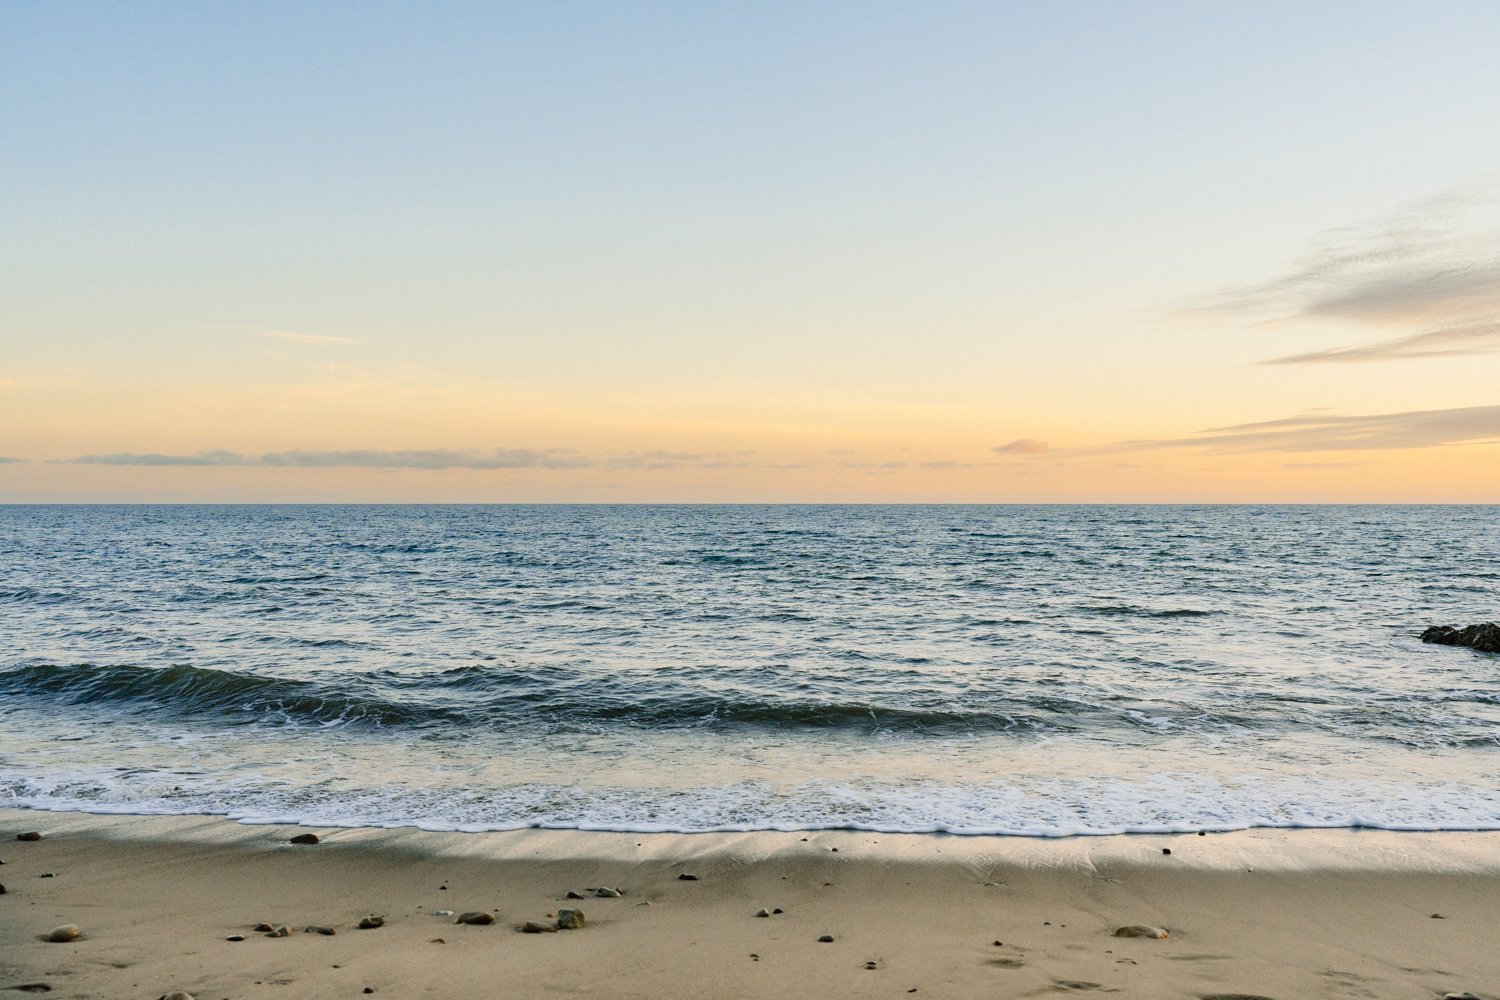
point(910, 231)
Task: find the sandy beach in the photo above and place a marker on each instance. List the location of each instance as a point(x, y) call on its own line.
point(1274, 913)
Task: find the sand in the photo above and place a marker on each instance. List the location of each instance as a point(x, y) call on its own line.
point(1281, 914)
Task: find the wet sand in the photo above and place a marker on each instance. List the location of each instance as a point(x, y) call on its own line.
point(1280, 914)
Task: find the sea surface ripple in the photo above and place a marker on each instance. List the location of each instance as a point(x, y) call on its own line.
point(974, 669)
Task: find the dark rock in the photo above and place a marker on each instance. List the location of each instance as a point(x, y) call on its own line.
point(1484, 637)
point(279, 931)
point(47, 875)
point(537, 927)
point(177, 995)
point(32, 835)
point(67, 932)
point(605, 892)
point(305, 838)
point(33, 988)
point(570, 920)
point(762, 912)
point(371, 922)
point(1166, 850)
point(263, 927)
point(2, 890)
point(235, 937)
point(476, 917)
point(576, 895)
point(826, 939)
point(685, 877)
point(316, 929)
point(777, 911)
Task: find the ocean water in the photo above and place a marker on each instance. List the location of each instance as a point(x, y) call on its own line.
point(971, 669)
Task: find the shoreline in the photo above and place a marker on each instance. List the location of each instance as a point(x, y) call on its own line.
point(1257, 913)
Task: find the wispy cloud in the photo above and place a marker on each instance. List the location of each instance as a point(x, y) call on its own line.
point(1022, 446)
point(1424, 281)
point(7, 461)
point(442, 458)
point(1319, 432)
point(1473, 338)
point(293, 335)
point(433, 458)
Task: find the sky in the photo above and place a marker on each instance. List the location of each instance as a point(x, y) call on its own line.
point(770, 252)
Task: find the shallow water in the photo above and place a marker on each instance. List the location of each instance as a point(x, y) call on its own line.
point(1038, 670)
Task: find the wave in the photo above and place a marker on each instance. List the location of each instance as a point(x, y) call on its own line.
point(194, 691)
point(474, 696)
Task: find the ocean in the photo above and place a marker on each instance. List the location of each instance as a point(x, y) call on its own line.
point(1029, 670)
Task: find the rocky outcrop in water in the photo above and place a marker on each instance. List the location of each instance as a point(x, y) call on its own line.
point(1484, 637)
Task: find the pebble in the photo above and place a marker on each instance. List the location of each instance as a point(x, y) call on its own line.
point(177, 995)
point(30, 835)
point(777, 911)
point(1438, 916)
point(315, 929)
point(47, 875)
point(576, 895)
point(263, 926)
point(476, 917)
point(685, 877)
point(826, 939)
point(1141, 930)
point(604, 892)
point(1459, 996)
point(279, 931)
point(570, 920)
point(762, 912)
point(1166, 850)
point(871, 965)
point(371, 922)
point(2, 890)
point(442, 913)
point(67, 932)
point(235, 937)
point(537, 927)
point(305, 838)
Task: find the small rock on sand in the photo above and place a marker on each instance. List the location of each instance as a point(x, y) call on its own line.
point(316, 929)
point(29, 835)
point(305, 838)
point(826, 939)
point(685, 877)
point(442, 913)
point(575, 895)
point(263, 927)
point(2, 890)
point(177, 995)
point(67, 932)
point(235, 937)
point(604, 892)
point(569, 920)
point(762, 912)
point(537, 927)
point(1141, 930)
point(1459, 996)
point(279, 931)
point(371, 922)
point(476, 917)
